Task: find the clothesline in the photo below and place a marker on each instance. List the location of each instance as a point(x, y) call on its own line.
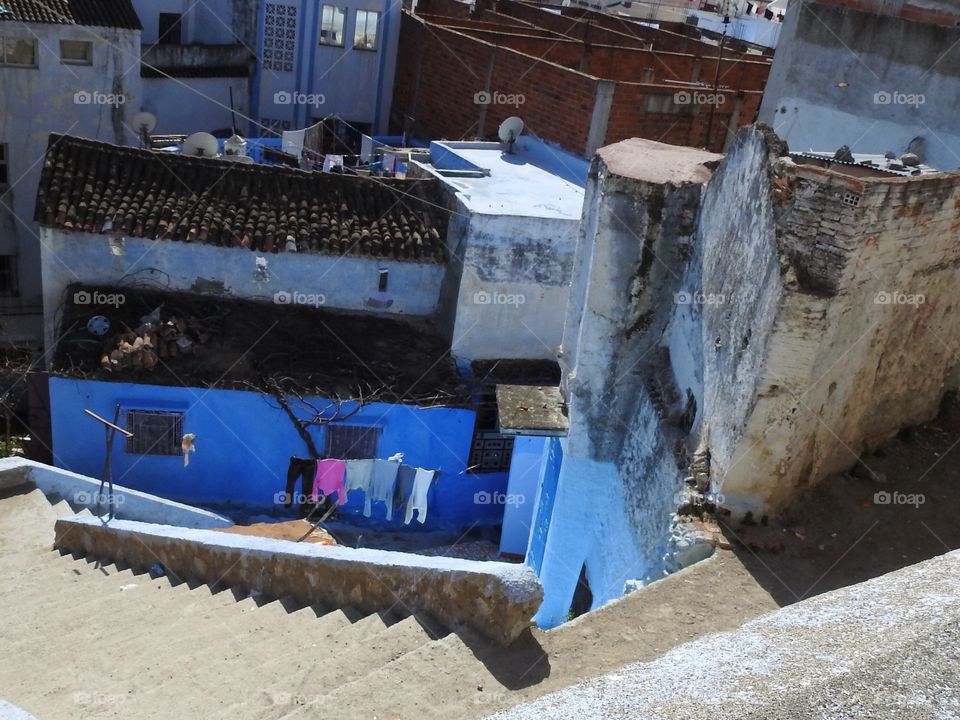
point(399, 486)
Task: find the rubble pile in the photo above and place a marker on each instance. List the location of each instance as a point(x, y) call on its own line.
point(154, 340)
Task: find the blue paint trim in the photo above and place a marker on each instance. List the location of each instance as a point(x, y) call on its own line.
point(376, 127)
point(314, 44)
point(254, 129)
point(301, 32)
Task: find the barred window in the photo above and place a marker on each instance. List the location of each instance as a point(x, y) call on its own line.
point(352, 442)
point(155, 432)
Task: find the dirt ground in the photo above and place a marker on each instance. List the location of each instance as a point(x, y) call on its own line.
point(898, 508)
point(292, 530)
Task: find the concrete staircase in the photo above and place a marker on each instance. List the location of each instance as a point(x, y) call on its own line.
point(81, 639)
point(86, 639)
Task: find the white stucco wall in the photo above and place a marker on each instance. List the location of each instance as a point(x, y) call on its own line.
point(514, 287)
point(343, 282)
point(41, 100)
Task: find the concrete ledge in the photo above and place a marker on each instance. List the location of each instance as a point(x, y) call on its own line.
point(82, 491)
point(12, 712)
point(884, 649)
point(497, 600)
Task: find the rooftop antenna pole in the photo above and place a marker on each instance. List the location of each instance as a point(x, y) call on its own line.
point(233, 114)
point(716, 80)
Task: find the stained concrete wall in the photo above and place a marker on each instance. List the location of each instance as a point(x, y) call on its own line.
point(620, 472)
point(331, 281)
point(96, 101)
point(844, 77)
point(208, 100)
point(513, 286)
point(495, 599)
point(841, 322)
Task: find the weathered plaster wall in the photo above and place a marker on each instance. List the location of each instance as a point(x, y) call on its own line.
point(513, 286)
point(54, 97)
point(343, 282)
point(832, 61)
point(621, 469)
point(189, 105)
point(839, 327)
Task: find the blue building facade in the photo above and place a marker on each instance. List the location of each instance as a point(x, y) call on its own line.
point(245, 441)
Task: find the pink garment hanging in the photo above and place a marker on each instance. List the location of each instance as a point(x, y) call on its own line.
point(329, 479)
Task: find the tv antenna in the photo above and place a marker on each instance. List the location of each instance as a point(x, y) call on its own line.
point(200, 144)
point(510, 130)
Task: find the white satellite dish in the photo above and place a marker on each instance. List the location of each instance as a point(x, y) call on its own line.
point(144, 122)
point(200, 144)
point(510, 130)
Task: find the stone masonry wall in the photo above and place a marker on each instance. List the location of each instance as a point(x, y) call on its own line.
point(856, 334)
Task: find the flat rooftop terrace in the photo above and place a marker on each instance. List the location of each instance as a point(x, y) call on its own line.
point(535, 180)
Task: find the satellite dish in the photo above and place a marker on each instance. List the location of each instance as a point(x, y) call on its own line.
point(144, 122)
point(510, 130)
point(200, 144)
point(98, 325)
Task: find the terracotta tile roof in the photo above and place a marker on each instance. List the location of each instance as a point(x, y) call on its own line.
point(98, 13)
point(162, 196)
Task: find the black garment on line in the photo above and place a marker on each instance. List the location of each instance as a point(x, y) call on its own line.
point(306, 469)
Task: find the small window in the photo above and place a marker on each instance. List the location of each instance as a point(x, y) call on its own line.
point(365, 32)
point(331, 25)
point(155, 432)
point(352, 442)
point(8, 275)
point(491, 452)
point(4, 166)
point(170, 29)
point(76, 52)
point(19, 52)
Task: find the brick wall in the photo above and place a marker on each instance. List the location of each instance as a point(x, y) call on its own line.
point(601, 28)
point(444, 69)
point(446, 8)
point(628, 64)
point(685, 124)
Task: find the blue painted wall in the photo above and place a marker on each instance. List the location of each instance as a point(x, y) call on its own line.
point(244, 442)
point(526, 468)
point(544, 501)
